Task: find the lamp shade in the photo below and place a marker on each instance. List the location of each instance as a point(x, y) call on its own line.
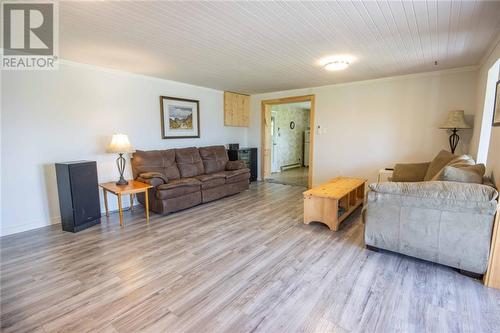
point(120, 144)
point(455, 120)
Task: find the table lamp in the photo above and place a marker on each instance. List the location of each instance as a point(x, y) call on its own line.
point(455, 122)
point(119, 144)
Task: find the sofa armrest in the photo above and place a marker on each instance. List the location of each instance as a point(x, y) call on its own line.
point(409, 172)
point(234, 165)
point(152, 178)
point(438, 190)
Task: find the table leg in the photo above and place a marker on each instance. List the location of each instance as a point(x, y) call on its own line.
point(105, 193)
point(146, 200)
point(120, 211)
point(132, 202)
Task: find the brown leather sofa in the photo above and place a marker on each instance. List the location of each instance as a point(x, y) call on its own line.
point(187, 177)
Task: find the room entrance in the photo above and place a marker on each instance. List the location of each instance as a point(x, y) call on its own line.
point(287, 140)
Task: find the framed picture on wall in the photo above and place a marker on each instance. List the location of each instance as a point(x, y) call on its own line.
point(496, 107)
point(180, 118)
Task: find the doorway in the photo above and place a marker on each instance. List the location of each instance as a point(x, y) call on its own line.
point(287, 140)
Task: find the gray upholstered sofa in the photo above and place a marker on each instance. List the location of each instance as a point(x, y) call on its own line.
point(420, 215)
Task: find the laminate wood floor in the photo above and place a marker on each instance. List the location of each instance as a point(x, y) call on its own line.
point(241, 264)
point(296, 176)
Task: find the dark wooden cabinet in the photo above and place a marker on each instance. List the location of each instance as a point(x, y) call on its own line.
point(247, 155)
point(78, 195)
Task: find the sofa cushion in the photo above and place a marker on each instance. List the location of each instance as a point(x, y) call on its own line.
point(161, 161)
point(438, 163)
point(458, 161)
point(212, 180)
point(463, 174)
point(189, 162)
point(177, 188)
point(409, 172)
point(214, 158)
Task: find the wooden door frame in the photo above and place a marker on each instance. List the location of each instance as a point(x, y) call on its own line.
point(265, 107)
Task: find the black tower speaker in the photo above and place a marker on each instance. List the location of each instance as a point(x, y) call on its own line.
point(78, 195)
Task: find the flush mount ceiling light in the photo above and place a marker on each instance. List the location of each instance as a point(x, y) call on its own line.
point(336, 63)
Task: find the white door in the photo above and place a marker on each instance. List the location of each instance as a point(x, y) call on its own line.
point(274, 147)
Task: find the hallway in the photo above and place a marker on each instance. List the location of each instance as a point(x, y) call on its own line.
point(296, 176)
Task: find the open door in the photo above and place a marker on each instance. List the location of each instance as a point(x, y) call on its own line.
point(267, 134)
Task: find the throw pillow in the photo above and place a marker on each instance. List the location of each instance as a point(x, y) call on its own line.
point(457, 162)
point(463, 174)
point(438, 163)
point(409, 172)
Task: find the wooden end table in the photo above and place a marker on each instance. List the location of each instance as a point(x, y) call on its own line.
point(131, 188)
point(332, 202)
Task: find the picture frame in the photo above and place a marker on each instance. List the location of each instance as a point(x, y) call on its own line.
point(496, 106)
point(180, 118)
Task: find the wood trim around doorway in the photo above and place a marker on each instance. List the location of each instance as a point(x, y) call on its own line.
point(266, 135)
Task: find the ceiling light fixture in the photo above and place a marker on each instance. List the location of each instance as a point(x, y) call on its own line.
point(336, 65)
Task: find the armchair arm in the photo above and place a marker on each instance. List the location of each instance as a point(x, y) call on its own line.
point(234, 165)
point(409, 172)
point(152, 178)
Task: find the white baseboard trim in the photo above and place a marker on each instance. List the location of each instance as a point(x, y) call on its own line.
point(37, 224)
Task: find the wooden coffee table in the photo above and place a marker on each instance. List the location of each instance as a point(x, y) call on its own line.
point(332, 202)
point(131, 188)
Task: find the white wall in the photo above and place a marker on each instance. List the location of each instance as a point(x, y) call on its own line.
point(70, 114)
point(290, 142)
point(493, 155)
point(373, 124)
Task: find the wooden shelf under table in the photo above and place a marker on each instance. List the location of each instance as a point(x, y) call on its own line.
point(321, 204)
point(342, 217)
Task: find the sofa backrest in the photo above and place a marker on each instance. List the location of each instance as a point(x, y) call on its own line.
point(214, 158)
point(189, 162)
point(162, 161)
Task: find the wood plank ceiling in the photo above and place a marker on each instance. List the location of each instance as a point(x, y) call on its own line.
point(255, 47)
